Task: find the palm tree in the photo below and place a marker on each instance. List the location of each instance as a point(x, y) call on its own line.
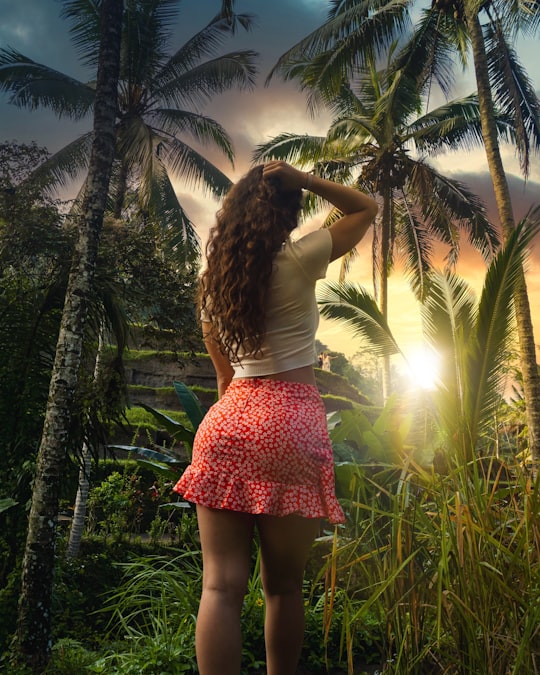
point(377, 123)
point(357, 30)
point(473, 335)
point(496, 40)
point(159, 98)
point(34, 618)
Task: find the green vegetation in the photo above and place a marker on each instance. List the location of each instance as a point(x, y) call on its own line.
point(437, 569)
point(145, 354)
point(139, 417)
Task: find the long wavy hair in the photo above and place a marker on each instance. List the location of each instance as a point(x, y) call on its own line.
point(255, 219)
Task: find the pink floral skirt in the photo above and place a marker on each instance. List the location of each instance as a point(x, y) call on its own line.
point(264, 448)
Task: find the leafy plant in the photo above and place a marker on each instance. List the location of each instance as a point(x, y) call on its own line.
point(448, 560)
point(115, 506)
point(7, 503)
point(69, 657)
point(163, 462)
point(154, 609)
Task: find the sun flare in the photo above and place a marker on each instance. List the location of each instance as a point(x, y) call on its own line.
point(424, 368)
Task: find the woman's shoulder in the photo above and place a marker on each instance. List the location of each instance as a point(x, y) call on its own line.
point(311, 251)
point(312, 240)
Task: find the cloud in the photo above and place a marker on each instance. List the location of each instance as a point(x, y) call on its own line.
point(35, 28)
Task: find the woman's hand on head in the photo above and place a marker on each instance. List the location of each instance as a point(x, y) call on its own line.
point(286, 175)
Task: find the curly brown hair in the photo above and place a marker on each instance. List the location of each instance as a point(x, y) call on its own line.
point(255, 219)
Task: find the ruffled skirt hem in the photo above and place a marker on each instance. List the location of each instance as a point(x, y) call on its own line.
point(261, 497)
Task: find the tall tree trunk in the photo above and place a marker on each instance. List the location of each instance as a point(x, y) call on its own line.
point(34, 617)
point(121, 190)
point(386, 228)
point(81, 500)
point(529, 368)
point(81, 503)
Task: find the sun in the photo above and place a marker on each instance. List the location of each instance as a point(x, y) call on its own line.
point(424, 365)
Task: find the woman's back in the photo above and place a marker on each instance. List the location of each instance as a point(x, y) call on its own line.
point(291, 312)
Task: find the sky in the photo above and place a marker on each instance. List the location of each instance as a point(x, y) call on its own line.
point(34, 28)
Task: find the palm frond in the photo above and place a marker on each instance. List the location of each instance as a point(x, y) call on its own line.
point(135, 142)
point(353, 306)
point(415, 242)
point(448, 318)
point(183, 161)
point(454, 32)
point(347, 103)
point(146, 32)
point(495, 325)
point(65, 165)
point(352, 134)
point(84, 17)
point(30, 85)
point(514, 94)
point(203, 44)
point(448, 312)
point(353, 32)
point(519, 15)
point(455, 124)
point(346, 264)
point(300, 149)
point(183, 242)
point(428, 56)
point(199, 84)
point(203, 129)
point(399, 100)
point(447, 203)
point(472, 339)
point(312, 76)
point(108, 308)
point(231, 19)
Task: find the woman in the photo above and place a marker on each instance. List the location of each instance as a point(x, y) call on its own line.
point(262, 458)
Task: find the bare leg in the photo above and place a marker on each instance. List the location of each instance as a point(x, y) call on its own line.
point(285, 546)
point(226, 548)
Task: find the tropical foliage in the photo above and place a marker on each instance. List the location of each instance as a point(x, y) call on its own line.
point(437, 568)
point(134, 284)
point(159, 100)
point(357, 32)
point(380, 141)
point(472, 339)
point(442, 532)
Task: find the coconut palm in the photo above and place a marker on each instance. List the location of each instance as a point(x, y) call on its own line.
point(159, 100)
point(420, 566)
point(377, 125)
point(34, 617)
point(472, 336)
point(357, 30)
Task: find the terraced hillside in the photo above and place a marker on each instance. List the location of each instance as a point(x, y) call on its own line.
point(150, 375)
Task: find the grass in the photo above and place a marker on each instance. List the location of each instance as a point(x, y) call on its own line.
point(146, 354)
point(141, 418)
point(450, 564)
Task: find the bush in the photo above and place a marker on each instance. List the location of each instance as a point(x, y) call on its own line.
point(69, 657)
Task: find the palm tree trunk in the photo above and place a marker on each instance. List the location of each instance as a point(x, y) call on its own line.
point(386, 227)
point(81, 500)
point(34, 617)
point(529, 368)
point(120, 190)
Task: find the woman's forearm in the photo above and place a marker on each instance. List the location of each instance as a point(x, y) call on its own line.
point(346, 199)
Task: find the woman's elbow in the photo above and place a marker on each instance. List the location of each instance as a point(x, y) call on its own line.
point(372, 210)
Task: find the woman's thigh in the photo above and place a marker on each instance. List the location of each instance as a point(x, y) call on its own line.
point(226, 541)
point(286, 542)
